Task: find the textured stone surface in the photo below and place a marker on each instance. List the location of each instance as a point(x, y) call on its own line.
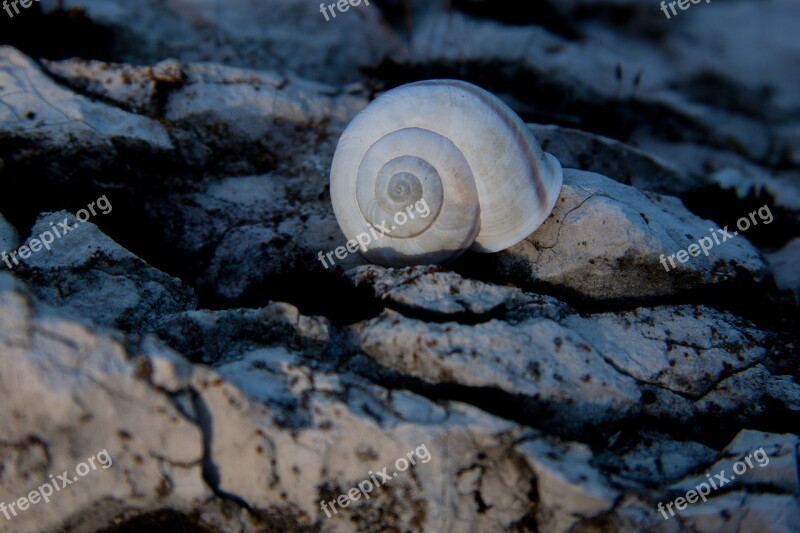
point(569, 384)
point(601, 155)
point(785, 264)
point(88, 274)
point(236, 32)
point(57, 127)
point(604, 240)
point(8, 236)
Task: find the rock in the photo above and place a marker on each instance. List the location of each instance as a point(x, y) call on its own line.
point(89, 275)
point(602, 155)
point(685, 349)
point(140, 89)
point(9, 240)
point(223, 119)
point(570, 486)
point(756, 460)
point(572, 383)
point(187, 438)
point(610, 91)
point(218, 336)
point(652, 459)
point(69, 394)
point(285, 36)
point(424, 289)
point(555, 374)
point(569, 371)
point(47, 126)
point(738, 511)
point(605, 240)
point(246, 231)
point(785, 265)
point(728, 170)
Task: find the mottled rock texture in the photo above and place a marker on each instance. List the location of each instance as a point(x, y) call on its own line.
point(570, 383)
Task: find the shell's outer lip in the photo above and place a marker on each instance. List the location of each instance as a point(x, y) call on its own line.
point(537, 217)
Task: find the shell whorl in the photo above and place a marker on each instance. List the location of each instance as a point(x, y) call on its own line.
point(484, 177)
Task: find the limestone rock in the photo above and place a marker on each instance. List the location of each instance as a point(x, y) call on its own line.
point(89, 275)
point(605, 240)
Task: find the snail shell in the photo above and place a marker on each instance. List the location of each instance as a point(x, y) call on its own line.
point(458, 148)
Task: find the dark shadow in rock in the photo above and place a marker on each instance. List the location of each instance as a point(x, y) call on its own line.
point(56, 35)
point(508, 12)
point(165, 521)
point(725, 207)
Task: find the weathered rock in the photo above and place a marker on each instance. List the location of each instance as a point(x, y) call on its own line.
point(740, 511)
point(274, 37)
point(214, 336)
point(68, 394)
point(185, 437)
point(609, 90)
point(569, 371)
point(785, 265)
point(765, 460)
point(246, 231)
point(9, 239)
point(89, 275)
point(605, 240)
point(601, 155)
point(425, 289)
point(46, 125)
point(537, 415)
point(685, 349)
point(220, 118)
point(570, 487)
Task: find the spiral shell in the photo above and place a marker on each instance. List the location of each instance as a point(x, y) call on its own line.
point(457, 149)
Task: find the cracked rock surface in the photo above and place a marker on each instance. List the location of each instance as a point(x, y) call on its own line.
point(586, 379)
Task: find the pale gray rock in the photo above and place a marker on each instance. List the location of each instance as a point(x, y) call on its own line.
point(428, 289)
point(137, 88)
point(222, 118)
point(728, 170)
point(764, 460)
point(559, 376)
point(67, 132)
point(604, 240)
point(686, 349)
point(570, 370)
point(69, 393)
point(88, 274)
point(571, 488)
point(182, 437)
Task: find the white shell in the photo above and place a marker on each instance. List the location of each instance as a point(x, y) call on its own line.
point(486, 180)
